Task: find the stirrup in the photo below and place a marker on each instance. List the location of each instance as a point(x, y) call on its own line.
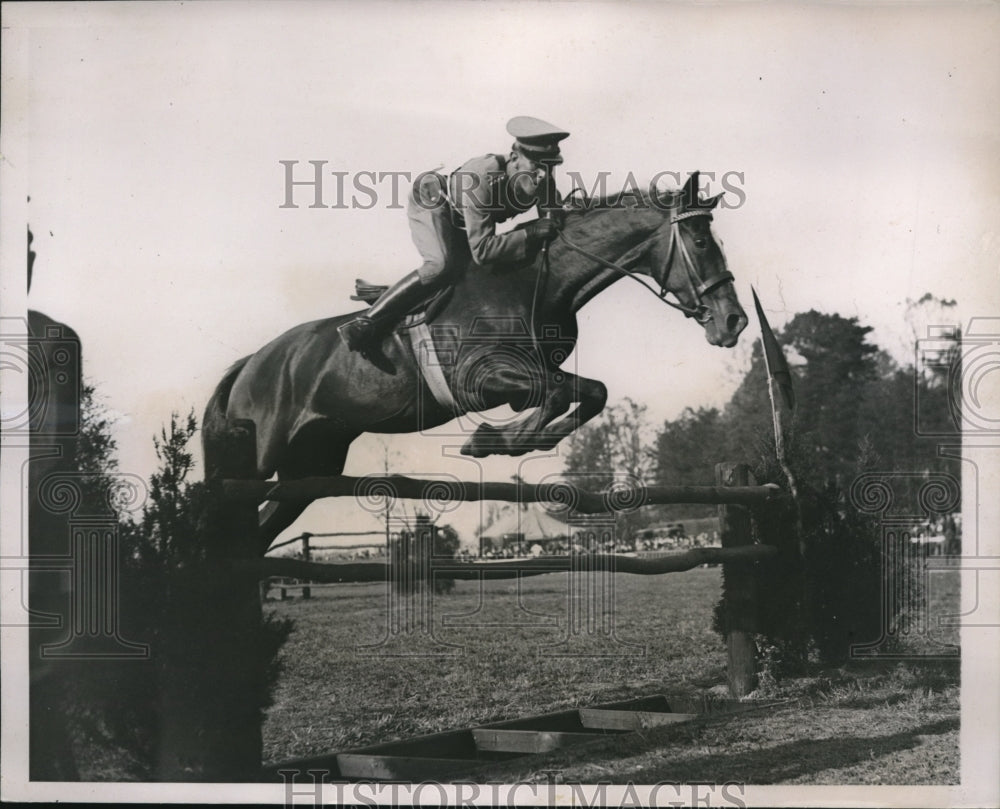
point(367, 293)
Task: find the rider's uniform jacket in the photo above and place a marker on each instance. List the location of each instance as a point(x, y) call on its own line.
point(482, 197)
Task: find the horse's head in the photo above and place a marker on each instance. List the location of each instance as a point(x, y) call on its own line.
point(687, 262)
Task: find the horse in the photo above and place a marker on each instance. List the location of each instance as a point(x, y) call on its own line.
point(502, 332)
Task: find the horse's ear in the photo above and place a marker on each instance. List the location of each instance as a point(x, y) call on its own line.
point(689, 194)
point(654, 193)
point(711, 202)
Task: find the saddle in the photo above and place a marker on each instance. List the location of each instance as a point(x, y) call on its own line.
point(369, 293)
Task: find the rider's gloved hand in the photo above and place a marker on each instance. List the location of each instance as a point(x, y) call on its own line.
point(541, 231)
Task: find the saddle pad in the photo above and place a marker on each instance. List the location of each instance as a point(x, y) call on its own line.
point(428, 361)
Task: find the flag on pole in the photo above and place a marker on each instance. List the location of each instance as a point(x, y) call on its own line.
point(774, 357)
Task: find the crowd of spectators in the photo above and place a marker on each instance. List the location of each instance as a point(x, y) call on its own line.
point(592, 542)
point(348, 554)
point(556, 547)
point(677, 542)
point(672, 538)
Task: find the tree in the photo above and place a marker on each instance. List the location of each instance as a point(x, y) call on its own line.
point(616, 443)
point(197, 610)
point(855, 414)
point(686, 452)
point(939, 369)
point(95, 460)
point(152, 714)
point(615, 446)
point(446, 541)
point(446, 544)
point(412, 555)
point(589, 459)
point(832, 365)
point(96, 447)
point(684, 447)
point(170, 522)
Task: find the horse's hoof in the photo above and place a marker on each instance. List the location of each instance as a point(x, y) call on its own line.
point(486, 440)
point(474, 450)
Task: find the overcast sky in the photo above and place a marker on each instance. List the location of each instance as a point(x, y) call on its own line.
point(863, 141)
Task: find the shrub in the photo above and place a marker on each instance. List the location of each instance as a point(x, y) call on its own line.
point(166, 715)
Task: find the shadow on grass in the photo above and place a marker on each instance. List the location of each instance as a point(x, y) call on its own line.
point(921, 667)
point(863, 703)
point(792, 760)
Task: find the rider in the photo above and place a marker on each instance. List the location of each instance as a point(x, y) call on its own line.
point(468, 206)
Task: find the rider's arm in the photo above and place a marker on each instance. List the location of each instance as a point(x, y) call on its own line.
point(475, 202)
point(490, 247)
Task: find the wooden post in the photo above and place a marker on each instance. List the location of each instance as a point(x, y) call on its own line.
point(307, 556)
point(739, 587)
point(213, 667)
point(240, 742)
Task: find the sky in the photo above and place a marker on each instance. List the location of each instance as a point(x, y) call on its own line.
point(862, 141)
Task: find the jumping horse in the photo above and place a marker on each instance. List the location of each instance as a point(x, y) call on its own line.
point(501, 334)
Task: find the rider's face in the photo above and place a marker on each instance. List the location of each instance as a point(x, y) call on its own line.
point(526, 176)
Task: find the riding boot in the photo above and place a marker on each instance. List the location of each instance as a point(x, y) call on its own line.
point(364, 330)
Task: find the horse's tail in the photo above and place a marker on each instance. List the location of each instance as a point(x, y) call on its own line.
point(214, 424)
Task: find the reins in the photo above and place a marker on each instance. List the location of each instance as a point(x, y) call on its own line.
point(698, 290)
point(612, 266)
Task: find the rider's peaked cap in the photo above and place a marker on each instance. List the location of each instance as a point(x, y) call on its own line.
point(536, 139)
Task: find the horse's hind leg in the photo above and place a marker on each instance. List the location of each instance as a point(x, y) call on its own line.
point(591, 394)
point(275, 517)
point(316, 453)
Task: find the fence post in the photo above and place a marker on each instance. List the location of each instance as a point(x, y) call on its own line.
point(213, 665)
point(240, 741)
point(739, 587)
point(307, 556)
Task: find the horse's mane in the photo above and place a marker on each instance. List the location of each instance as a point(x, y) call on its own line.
point(580, 204)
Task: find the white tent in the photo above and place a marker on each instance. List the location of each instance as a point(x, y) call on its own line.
point(532, 521)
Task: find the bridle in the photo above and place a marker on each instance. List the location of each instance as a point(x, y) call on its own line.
point(698, 287)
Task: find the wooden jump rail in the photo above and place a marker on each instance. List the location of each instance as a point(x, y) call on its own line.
point(622, 498)
point(509, 569)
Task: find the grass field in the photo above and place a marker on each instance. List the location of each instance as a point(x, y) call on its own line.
point(504, 649)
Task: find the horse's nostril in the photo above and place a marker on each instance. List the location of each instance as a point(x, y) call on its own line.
point(733, 322)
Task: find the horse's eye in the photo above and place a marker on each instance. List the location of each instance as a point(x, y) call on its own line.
point(700, 242)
